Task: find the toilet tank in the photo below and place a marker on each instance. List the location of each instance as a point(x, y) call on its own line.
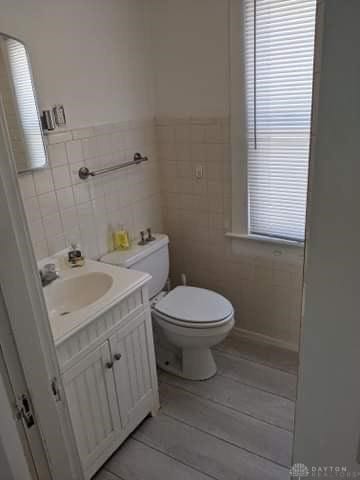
point(152, 258)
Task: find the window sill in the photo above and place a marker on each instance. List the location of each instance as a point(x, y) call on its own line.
point(263, 239)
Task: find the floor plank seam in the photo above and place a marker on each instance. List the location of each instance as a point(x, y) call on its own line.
point(264, 363)
point(230, 408)
point(255, 387)
point(239, 356)
point(112, 473)
point(175, 458)
point(227, 441)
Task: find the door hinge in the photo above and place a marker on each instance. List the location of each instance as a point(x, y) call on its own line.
point(24, 411)
point(55, 389)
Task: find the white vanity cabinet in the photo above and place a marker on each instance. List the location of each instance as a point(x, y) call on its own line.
point(109, 375)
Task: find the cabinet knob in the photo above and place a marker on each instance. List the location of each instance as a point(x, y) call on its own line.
point(117, 356)
point(109, 364)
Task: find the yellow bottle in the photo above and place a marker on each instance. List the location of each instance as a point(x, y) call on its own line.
point(121, 239)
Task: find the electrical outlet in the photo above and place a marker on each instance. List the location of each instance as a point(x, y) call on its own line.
point(199, 172)
point(59, 115)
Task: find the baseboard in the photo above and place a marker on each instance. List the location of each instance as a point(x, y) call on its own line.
point(259, 337)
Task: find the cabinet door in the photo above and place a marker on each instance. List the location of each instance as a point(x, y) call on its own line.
point(91, 396)
point(132, 358)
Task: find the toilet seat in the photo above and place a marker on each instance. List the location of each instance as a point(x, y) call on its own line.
point(192, 307)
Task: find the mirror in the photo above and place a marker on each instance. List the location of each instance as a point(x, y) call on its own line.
point(18, 106)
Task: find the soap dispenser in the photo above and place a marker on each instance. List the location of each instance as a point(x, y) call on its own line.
point(75, 257)
point(121, 239)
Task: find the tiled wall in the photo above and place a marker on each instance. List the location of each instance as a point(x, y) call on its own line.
point(264, 282)
point(61, 208)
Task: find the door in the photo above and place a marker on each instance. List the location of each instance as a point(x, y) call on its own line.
point(14, 383)
point(130, 354)
point(90, 392)
point(27, 316)
point(15, 456)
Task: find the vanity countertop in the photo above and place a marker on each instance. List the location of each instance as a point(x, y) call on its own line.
point(120, 283)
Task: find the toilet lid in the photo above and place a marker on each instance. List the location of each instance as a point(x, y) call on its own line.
point(196, 305)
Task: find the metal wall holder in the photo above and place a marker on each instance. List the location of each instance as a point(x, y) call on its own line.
point(85, 173)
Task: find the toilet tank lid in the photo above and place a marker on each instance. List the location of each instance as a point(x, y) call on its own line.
point(127, 258)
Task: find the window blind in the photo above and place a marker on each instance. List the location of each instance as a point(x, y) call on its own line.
point(25, 100)
point(279, 47)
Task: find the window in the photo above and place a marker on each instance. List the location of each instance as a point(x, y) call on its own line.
point(278, 58)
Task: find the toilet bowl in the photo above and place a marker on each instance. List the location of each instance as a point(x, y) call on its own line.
point(193, 320)
point(187, 321)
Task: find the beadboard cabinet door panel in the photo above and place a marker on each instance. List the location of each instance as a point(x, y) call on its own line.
point(132, 372)
point(91, 397)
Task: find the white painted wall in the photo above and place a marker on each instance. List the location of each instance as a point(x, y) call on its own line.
point(87, 54)
point(190, 54)
point(328, 407)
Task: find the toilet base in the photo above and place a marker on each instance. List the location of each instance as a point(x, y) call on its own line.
point(191, 364)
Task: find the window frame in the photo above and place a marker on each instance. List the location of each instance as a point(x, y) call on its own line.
point(238, 135)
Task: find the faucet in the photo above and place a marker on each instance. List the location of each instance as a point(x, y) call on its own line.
point(48, 274)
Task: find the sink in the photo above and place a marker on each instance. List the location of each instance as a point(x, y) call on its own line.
point(65, 296)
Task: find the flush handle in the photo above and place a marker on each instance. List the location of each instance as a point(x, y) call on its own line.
point(117, 356)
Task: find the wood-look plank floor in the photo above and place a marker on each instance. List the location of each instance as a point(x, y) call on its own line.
point(235, 426)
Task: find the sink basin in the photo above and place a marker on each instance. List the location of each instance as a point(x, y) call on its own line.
point(66, 296)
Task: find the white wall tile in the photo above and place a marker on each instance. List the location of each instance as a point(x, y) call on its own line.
point(41, 249)
point(48, 204)
point(57, 154)
point(70, 219)
point(74, 152)
point(81, 193)
point(52, 225)
point(65, 198)
point(61, 176)
point(43, 181)
point(81, 133)
point(55, 244)
point(74, 172)
point(59, 137)
point(32, 209)
point(27, 186)
point(89, 148)
point(37, 231)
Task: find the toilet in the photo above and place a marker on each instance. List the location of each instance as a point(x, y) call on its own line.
point(187, 321)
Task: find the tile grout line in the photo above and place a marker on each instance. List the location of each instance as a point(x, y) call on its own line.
point(175, 458)
point(227, 441)
point(230, 408)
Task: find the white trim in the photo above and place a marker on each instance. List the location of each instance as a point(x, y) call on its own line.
point(260, 337)
point(262, 238)
point(13, 377)
point(28, 318)
point(10, 439)
point(238, 123)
